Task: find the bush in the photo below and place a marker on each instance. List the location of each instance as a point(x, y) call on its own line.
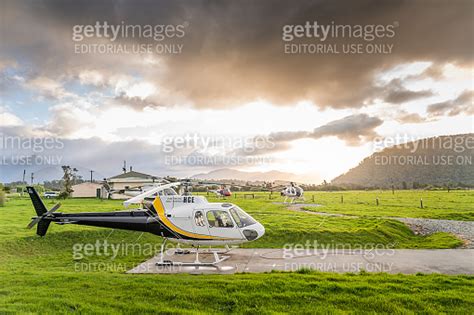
point(63, 195)
point(2, 198)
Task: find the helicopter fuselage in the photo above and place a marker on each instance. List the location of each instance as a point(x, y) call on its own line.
point(184, 219)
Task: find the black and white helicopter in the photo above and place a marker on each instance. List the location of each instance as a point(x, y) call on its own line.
point(178, 218)
point(292, 191)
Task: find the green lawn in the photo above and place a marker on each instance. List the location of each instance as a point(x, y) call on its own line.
point(41, 275)
point(52, 292)
point(455, 205)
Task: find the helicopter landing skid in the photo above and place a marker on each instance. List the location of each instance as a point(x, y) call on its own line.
point(196, 263)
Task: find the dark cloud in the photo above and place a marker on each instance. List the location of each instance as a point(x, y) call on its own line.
point(394, 92)
point(410, 118)
point(434, 72)
point(134, 102)
point(463, 104)
point(353, 130)
point(105, 158)
point(233, 51)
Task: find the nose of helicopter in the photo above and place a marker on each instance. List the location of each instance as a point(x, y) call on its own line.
point(254, 231)
point(260, 230)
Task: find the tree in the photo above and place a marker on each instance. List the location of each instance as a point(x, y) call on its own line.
point(68, 178)
point(2, 196)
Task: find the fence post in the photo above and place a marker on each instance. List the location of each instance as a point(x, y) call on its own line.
point(377, 201)
point(342, 198)
point(421, 203)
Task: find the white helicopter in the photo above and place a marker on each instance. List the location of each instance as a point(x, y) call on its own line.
point(293, 191)
point(222, 192)
point(183, 219)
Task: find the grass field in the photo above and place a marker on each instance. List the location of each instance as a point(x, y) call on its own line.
point(453, 205)
point(309, 293)
point(41, 274)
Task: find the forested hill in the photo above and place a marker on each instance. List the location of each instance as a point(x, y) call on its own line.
point(444, 160)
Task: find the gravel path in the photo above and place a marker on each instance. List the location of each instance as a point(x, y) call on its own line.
point(462, 229)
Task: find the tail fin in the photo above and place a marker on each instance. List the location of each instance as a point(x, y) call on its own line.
point(42, 227)
point(41, 212)
point(36, 200)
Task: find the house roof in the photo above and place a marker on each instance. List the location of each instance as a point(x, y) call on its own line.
point(132, 174)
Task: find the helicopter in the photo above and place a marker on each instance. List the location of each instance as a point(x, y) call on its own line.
point(183, 219)
point(292, 191)
point(222, 192)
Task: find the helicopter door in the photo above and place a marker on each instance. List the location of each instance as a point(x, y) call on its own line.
point(199, 223)
point(222, 225)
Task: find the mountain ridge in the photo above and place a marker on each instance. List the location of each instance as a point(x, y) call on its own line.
point(441, 160)
point(269, 176)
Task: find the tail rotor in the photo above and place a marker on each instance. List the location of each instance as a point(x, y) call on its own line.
point(43, 215)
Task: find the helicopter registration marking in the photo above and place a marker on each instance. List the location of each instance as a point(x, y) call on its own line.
point(188, 199)
point(183, 199)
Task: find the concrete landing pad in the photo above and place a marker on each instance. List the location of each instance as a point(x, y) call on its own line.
point(445, 261)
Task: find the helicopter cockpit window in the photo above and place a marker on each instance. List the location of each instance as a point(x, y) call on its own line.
point(199, 218)
point(218, 218)
point(241, 218)
point(167, 192)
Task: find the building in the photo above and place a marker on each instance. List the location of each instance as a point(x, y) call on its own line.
point(128, 182)
point(87, 190)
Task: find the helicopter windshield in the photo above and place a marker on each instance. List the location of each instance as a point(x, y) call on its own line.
point(241, 218)
point(167, 192)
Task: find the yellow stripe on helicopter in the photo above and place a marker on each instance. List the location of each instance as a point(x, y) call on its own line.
point(157, 203)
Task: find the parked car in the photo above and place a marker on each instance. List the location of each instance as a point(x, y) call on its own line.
point(50, 194)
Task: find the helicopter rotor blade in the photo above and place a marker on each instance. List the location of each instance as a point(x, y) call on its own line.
point(139, 198)
point(36, 220)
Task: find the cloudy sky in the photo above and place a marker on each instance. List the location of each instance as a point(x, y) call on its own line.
point(217, 84)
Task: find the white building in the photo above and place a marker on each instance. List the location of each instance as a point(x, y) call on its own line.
point(128, 181)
